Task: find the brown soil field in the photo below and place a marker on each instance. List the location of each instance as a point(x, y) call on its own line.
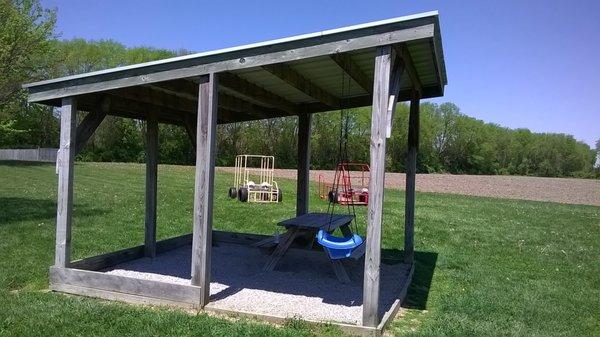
point(561, 190)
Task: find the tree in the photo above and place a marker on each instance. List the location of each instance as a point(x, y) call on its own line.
point(25, 55)
point(25, 32)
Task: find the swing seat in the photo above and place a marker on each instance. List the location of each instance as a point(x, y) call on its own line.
point(339, 248)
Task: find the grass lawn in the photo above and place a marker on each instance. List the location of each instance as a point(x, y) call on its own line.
point(484, 266)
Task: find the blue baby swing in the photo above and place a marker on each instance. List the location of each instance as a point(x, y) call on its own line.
point(341, 247)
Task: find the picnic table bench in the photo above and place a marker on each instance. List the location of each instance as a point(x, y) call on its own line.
point(307, 226)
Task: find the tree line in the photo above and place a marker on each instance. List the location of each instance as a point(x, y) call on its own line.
point(450, 141)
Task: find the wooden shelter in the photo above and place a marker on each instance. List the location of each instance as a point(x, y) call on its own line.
point(400, 59)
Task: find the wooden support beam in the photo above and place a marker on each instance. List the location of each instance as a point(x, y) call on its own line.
point(381, 93)
point(151, 185)
point(64, 168)
point(203, 195)
point(190, 123)
point(293, 78)
point(397, 70)
point(345, 62)
point(135, 109)
point(153, 95)
point(90, 123)
point(242, 108)
point(256, 94)
point(366, 100)
point(411, 170)
point(404, 54)
point(234, 108)
point(181, 88)
point(303, 181)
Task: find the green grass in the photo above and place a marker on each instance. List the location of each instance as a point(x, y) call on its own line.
point(484, 266)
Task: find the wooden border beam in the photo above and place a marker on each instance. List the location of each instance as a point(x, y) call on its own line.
point(345, 62)
point(288, 75)
point(95, 281)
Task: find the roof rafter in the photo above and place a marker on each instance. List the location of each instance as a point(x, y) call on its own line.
point(404, 54)
point(293, 78)
point(345, 62)
point(256, 94)
point(243, 107)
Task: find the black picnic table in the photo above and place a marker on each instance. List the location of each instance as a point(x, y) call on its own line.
point(307, 226)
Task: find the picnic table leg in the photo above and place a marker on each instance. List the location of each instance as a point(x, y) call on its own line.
point(281, 249)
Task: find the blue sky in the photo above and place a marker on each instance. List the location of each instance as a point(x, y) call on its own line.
point(531, 64)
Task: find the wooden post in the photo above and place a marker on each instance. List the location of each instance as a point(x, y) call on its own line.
point(411, 169)
point(64, 168)
point(381, 92)
point(303, 181)
point(151, 184)
point(203, 196)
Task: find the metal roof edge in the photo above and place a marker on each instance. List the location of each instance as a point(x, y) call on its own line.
point(239, 48)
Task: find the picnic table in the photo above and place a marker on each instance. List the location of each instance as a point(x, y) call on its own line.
point(307, 226)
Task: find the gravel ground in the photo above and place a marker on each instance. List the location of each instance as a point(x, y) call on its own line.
point(303, 285)
point(562, 190)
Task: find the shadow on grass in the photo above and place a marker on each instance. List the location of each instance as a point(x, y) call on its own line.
point(25, 209)
point(418, 292)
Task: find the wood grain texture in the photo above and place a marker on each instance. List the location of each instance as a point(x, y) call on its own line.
point(381, 92)
point(123, 284)
point(89, 124)
point(204, 186)
point(151, 185)
point(411, 171)
point(64, 167)
point(303, 181)
point(256, 94)
point(296, 80)
point(118, 296)
point(397, 71)
point(404, 54)
point(107, 260)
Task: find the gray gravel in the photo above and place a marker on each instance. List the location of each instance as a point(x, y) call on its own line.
point(303, 285)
